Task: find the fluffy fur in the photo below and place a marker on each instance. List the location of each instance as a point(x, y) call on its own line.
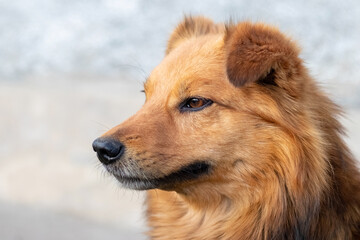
point(272, 164)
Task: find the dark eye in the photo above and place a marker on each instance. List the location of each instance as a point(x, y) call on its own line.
point(195, 104)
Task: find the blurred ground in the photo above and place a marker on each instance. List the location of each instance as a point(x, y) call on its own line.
point(70, 70)
point(51, 184)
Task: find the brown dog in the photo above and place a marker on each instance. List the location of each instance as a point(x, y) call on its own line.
point(238, 140)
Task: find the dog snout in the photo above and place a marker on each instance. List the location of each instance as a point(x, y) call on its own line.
point(108, 150)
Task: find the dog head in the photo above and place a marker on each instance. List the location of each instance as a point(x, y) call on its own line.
point(223, 106)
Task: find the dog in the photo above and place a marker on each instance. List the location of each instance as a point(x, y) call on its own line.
point(236, 141)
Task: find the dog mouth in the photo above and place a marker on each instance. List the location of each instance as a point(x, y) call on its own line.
point(184, 174)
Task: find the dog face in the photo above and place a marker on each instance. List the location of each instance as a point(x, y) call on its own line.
point(219, 108)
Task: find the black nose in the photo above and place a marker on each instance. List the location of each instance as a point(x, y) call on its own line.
point(108, 150)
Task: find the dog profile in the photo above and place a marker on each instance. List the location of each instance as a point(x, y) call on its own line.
point(236, 141)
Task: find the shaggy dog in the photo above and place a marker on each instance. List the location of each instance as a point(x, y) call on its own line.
point(236, 141)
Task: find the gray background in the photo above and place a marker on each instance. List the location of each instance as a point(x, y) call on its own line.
point(70, 70)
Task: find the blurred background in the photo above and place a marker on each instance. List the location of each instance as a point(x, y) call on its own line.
point(72, 69)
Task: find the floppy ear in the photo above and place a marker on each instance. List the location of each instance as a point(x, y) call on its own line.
point(258, 53)
point(192, 27)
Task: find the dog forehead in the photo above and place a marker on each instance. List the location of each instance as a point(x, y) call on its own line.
point(196, 59)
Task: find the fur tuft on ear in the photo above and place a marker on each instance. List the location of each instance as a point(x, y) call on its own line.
point(256, 52)
point(192, 27)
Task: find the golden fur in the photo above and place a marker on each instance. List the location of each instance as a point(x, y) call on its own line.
point(278, 168)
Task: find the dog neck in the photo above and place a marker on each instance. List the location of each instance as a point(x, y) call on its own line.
point(219, 214)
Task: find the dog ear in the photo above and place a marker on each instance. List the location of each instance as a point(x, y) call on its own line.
point(192, 27)
point(258, 53)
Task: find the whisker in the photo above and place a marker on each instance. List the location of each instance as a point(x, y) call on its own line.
point(102, 125)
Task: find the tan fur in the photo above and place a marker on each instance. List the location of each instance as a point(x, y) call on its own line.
point(279, 168)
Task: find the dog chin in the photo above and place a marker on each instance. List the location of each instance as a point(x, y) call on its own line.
point(184, 174)
point(136, 183)
point(128, 178)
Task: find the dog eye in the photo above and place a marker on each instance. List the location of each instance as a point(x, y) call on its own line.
point(195, 104)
